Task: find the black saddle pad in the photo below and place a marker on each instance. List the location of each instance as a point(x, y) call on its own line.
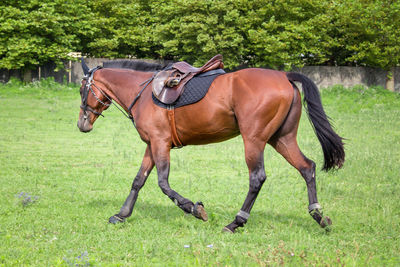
point(194, 90)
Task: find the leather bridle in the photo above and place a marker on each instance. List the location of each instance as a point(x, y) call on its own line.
point(88, 87)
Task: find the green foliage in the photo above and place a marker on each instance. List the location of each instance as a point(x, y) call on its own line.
point(285, 33)
point(195, 31)
point(123, 29)
point(366, 33)
point(35, 32)
point(277, 34)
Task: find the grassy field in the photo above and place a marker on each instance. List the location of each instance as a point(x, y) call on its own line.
point(59, 187)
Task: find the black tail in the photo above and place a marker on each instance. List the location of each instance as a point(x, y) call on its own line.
point(332, 144)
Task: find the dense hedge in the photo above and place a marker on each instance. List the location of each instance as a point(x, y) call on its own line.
point(274, 33)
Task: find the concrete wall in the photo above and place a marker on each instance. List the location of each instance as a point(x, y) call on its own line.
point(396, 77)
point(76, 68)
point(323, 76)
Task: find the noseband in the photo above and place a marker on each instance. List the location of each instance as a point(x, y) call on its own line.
point(88, 87)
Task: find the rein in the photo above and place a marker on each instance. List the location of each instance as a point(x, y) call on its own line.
point(88, 87)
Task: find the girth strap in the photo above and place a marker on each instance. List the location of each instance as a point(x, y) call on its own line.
point(171, 118)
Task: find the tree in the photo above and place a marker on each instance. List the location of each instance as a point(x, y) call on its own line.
point(197, 30)
point(35, 32)
point(366, 31)
point(266, 33)
point(276, 33)
point(284, 33)
point(123, 29)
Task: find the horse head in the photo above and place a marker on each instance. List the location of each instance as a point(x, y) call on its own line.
point(93, 99)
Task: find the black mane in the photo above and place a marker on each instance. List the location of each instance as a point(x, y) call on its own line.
point(134, 65)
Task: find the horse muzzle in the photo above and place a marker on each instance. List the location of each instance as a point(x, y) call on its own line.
point(84, 124)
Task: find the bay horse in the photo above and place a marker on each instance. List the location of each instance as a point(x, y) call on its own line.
point(262, 105)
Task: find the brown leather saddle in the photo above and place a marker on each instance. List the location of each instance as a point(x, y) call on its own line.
point(169, 84)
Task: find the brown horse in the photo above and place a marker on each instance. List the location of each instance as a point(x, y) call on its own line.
point(262, 105)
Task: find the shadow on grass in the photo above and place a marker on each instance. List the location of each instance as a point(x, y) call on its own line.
point(167, 212)
point(282, 217)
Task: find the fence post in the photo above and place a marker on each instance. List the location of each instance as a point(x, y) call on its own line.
point(390, 80)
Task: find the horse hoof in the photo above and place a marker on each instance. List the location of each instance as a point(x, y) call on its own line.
point(325, 223)
point(116, 219)
point(227, 230)
point(199, 211)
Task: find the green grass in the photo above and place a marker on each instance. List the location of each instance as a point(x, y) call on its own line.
point(82, 179)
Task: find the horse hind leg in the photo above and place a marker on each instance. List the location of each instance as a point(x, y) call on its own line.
point(289, 149)
point(284, 141)
point(254, 153)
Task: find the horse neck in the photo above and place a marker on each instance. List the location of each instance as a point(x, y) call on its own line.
point(123, 85)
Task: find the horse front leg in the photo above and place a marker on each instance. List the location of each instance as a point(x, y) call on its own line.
point(138, 182)
point(161, 154)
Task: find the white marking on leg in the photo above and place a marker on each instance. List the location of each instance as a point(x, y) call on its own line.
point(243, 214)
point(314, 206)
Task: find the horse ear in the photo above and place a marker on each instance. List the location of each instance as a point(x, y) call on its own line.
point(85, 68)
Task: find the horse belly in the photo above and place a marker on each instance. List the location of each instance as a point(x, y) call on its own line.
point(210, 120)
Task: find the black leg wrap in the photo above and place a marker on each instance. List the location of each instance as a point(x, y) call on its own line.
point(238, 222)
point(318, 216)
point(116, 219)
point(230, 228)
point(186, 207)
